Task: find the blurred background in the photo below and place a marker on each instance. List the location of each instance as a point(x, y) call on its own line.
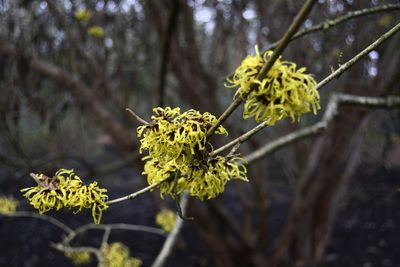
point(68, 70)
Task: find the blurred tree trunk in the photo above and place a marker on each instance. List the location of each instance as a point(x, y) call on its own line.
point(331, 163)
point(196, 85)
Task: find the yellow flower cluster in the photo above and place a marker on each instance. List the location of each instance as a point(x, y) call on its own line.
point(96, 31)
point(8, 205)
point(83, 15)
point(179, 154)
point(166, 219)
point(79, 258)
point(117, 255)
point(66, 190)
point(284, 92)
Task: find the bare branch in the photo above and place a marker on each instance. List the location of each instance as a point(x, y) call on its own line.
point(329, 115)
point(135, 194)
point(114, 226)
point(42, 217)
point(106, 236)
point(240, 139)
point(355, 59)
point(171, 239)
point(298, 20)
point(137, 117)
point(68, 249)
point(339, 20)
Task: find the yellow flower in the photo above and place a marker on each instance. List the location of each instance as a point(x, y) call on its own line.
point(8, 205)
point(96, 31)
point(66, 190)
point(166, 219)
point(83, 15)
point(79, 258)
point(171, 135)
point(179, 158)
point(208, 179)
point(118, 255)
point(285, 91)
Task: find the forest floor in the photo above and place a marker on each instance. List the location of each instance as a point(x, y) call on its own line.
point(366, 232)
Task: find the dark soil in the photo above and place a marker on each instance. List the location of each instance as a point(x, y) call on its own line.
point(367, 229)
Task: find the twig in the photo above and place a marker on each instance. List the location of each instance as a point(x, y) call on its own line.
point(104, 242)
point(171, 239)
point(137, 117)
point(114, 226)
point(326, 80)
point(298, 20)
point(339, 20)
point(135, 194)
point(240, 139)
point(43, 217)
point(68, 249)
point(364, 52)
point(106, 236)
point(330, 113)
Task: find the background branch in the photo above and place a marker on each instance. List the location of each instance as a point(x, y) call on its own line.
point(327, 24)
point(43, 217)
point(331, 112)
point(173, 235)
point(322, 83)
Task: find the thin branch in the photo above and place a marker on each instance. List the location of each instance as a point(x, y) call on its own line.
point(68, 249)
point(240, 139)
point(106, 236)
point(135, 194)
point(172, 237)
point(339, 20)
point(355, 59)
point(137, 117)
point(43, 217)
point(326, 80)
point(104, 242)
point(285, 140)
point(298, 20)
point(114, 226)
point(330, 113)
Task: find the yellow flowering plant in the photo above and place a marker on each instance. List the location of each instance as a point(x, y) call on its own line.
point(66, 190)
point(285, 91)
point(166, 219)
point(179, 154)
point(8, 205)
point(96, 31)
point(79, 258)
point(117, 255)
point(83, 15)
